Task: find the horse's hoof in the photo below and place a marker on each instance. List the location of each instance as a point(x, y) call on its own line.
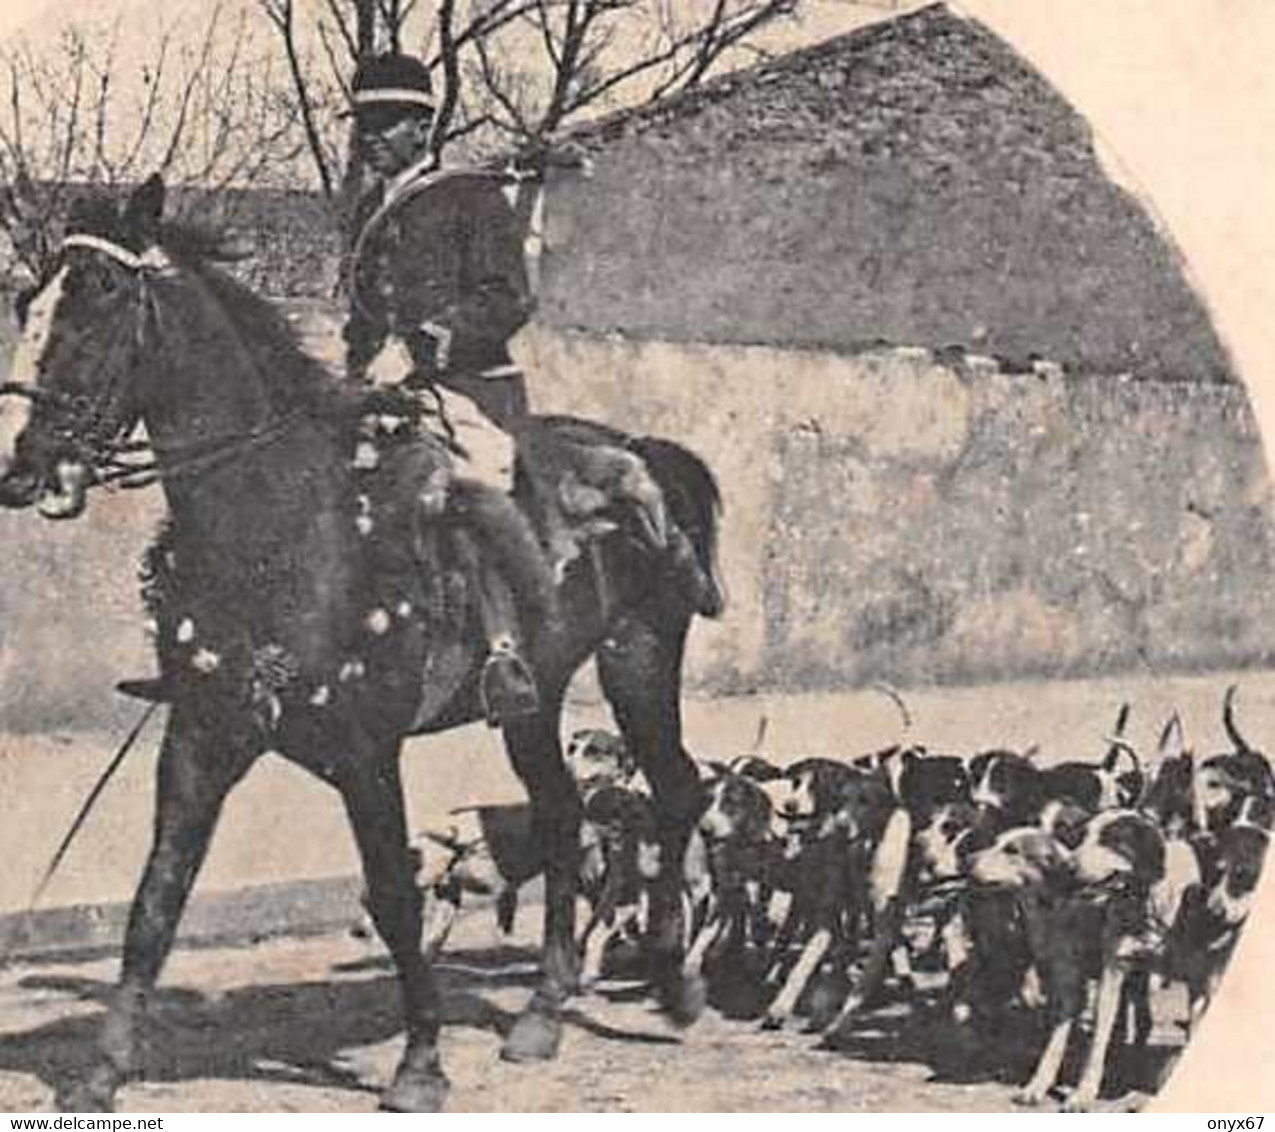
point(772, 1022)
point(536, 1036)
point(420, 1085)
point(684, 999)
point(418, 1092)
point(1028, 1098)
point(94, 1093)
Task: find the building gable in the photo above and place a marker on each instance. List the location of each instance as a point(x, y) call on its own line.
point(912, 183)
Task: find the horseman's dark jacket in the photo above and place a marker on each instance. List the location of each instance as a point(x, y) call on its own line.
point(447, 255)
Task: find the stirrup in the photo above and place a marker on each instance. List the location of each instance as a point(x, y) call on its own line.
point(507, 686)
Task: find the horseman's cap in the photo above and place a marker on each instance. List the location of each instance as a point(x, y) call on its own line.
point(388, 88)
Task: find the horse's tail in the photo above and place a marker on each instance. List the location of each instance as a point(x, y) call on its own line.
point(694, 501)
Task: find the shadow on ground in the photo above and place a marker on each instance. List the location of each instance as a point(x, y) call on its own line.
point(922, 1032)
point(297, 1033)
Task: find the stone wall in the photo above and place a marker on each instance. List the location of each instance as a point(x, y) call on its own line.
point(891, 517)
point(887, 517)
point(891, 514)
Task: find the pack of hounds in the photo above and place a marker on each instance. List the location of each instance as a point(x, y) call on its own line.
point(826, 885)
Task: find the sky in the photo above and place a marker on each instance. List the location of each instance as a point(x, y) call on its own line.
point(1182, 96)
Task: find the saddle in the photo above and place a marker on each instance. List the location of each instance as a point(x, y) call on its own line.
point(575, 483)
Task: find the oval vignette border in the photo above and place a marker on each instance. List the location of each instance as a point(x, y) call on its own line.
point(1183, 93)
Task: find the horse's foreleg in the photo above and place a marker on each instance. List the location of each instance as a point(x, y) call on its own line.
point(640, 669)
point(535, 750)
point(373, 794)
point(194, 775)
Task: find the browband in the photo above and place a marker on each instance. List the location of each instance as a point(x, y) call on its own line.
point(151, 258)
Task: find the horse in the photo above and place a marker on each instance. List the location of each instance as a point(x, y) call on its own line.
point(278, 631)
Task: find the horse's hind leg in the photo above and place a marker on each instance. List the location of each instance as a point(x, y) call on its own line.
point(640, 666)
point(196, 770)
point(535, 749)
point(372, 790)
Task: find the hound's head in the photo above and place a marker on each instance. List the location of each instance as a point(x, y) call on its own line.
point(1024, 859)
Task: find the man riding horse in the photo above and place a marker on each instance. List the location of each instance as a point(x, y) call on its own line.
point(293, 592)
point(437, 287)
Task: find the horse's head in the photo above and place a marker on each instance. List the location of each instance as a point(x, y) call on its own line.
point(72, 395)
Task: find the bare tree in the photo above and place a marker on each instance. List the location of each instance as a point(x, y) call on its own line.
point(512, 73)
point(596, 55)
point(206, 112)
point(282, 14)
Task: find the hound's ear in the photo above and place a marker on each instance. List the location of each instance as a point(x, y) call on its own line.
point(145, 209)
point(1172, 741)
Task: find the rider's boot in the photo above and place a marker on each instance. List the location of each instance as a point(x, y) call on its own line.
point(513, 581)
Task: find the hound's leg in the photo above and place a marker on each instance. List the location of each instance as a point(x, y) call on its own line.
point(535, 748)
point(372, 790)
point(807, 964)
point(721, 928)
point(693, 965)
point(885, 890)
point(597, 938)
point(1105, 1015)
point(605, 923)
point(1047, 1069)
point(197, 769)
point(888, 926)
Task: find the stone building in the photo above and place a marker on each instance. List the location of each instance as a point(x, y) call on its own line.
point(970, 417)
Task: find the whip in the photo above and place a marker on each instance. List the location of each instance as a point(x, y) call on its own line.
point(77, 824)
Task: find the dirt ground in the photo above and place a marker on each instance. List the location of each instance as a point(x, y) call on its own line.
point(312, 1025)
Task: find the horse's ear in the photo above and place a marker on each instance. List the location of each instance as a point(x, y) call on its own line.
point(144, 210)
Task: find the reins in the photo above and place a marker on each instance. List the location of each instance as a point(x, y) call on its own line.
point(198, 457)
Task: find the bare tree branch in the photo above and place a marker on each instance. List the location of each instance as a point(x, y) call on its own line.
point(282, 15)
point(451, 78)
point(188, 91)
point(334, 9)
point(365, 28)
point(490, 19)
point(338, 70)
point(495, 86)
point(101, 109)
point(621, 51)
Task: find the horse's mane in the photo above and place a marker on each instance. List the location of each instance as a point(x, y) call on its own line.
point(205, 251)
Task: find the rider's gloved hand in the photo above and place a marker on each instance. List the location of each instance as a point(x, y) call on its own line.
point(392, 365)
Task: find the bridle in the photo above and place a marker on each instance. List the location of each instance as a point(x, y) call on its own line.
point(107, 457)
